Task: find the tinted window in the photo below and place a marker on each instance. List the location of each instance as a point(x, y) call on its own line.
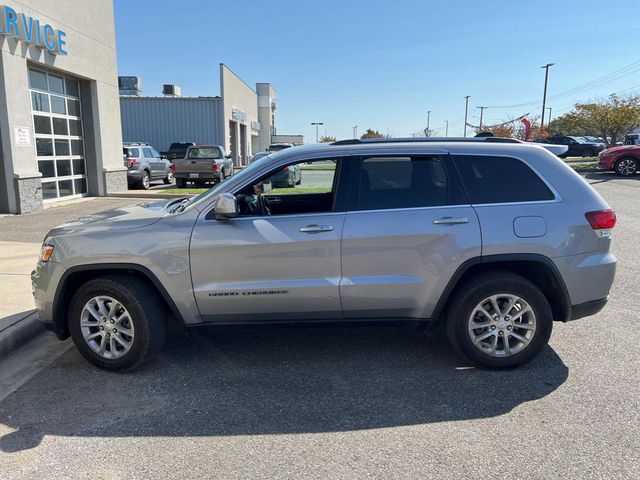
point(402, 182)
point(204, 153)
point(147, 153)
point(500, 180)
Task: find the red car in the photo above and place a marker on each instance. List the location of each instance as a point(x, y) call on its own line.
point(624, 160)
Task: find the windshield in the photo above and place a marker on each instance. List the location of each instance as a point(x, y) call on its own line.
point(205, 197)
point(204, 153)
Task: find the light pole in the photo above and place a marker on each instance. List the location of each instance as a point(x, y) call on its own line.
point(446, 130)
point(466, 109)
point(317, 124)
point(544, 95)
point(355, 131)
point(482, 109)
point(428, 121)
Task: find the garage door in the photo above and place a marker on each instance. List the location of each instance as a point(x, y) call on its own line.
point(57, 125)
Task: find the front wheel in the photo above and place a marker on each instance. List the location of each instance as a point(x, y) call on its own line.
point(587, 152)
point(626, 167)
point(116, 322)
point(499, 320)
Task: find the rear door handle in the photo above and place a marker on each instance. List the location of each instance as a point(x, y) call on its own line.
point(450, 221)
point(316, 228)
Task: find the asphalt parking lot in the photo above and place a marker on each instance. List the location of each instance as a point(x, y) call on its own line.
point(346, 402)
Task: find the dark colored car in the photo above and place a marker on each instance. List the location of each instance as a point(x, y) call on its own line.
point(144, 164)
point(624, 160)
point(288, 177)
point(177, 150)
point(578, 146)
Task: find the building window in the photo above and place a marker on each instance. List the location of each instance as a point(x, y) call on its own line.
point(57, 125)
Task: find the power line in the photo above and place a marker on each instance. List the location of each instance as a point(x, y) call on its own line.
point(610, 77)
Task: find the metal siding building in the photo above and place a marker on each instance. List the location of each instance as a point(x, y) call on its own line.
point(163, 120)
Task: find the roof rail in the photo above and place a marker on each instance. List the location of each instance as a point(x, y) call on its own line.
point(358, 141)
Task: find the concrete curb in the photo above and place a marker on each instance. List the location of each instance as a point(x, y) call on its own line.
point(20, 332)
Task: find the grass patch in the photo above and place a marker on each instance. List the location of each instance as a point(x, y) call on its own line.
point(181, 191)
point(580, 159)
point(589, 166)
point(306, 166)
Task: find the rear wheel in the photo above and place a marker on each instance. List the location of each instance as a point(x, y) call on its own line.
point(116, 322)
point(626, 166)
point(145, 180)
point(499, 320)
point(181, 183)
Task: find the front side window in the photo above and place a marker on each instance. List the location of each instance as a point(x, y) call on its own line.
point(147, 153)
point(490, 179)
point(303, 187)
point(402, 182)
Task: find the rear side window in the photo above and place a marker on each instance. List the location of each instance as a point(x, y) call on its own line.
point(490, 179)
point(403, 182)
point(131, 152)
point(147, 153)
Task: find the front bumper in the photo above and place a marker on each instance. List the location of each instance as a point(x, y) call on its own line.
point(44, 283)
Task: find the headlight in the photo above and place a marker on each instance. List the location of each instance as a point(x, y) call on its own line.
point(45, 253)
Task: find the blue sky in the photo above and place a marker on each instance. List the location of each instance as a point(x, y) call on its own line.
point(381, 64)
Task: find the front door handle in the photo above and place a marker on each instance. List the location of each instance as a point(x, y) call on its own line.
point(316, 228)
point(450, 221)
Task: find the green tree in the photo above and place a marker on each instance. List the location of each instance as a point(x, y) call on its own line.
point(327, 139)
point(609, 119)
point(370, 133)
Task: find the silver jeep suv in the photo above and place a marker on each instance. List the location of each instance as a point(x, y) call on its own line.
point(493, 241)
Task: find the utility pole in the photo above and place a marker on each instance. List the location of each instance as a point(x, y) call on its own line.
point(317, 124)
point(428, 120)
point(466, 109)
point(482, 109)
point(446, 130)
point(355, 131)
point(544, 95)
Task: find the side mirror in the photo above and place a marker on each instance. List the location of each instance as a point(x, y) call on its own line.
point(226, 206)
point(229, 156)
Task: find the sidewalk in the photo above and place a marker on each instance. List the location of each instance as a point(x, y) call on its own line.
point(18, 320)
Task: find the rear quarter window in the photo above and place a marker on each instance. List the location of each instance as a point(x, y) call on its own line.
point(490, 179)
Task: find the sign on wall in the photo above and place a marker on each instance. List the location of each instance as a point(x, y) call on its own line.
point(22, 136)
point(30, 30)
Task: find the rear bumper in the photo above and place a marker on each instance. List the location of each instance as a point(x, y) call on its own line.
point(202, 177)
point(588, 308)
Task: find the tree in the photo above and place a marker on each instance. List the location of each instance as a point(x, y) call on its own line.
point(505, 130)
point(373, 134)
point(327, 139)
point(609, 119)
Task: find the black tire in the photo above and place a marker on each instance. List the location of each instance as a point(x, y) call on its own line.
point(145, 180)
point(588, 152)
point(481, 287)
point(147, 316)
point(168, 179)
point(181, 183)
point(626, 166)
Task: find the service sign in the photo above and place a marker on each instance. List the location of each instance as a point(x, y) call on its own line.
point(32, 31)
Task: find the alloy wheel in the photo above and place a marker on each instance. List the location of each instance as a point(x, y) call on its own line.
point(107, 327)
point(502, 325)
point(626, 167)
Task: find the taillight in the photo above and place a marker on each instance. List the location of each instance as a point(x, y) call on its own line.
point(132, 162)
point(172, 166)
point(214, 166)
point(601, 219)
point(285, 169)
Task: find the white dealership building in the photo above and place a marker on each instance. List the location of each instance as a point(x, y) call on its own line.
point(60, 134)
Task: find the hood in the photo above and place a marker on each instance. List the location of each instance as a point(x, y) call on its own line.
point(622, 147)
point(553, 148)
point(124, 218)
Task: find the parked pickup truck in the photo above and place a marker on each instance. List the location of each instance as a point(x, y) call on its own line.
point(202, 164)
point(177, 150)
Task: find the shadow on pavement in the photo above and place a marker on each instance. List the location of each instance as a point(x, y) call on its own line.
point(599, 177)
point(253, 381)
